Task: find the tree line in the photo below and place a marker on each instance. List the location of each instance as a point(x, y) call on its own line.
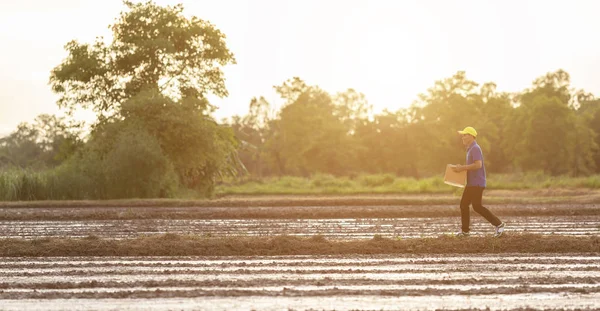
point(549, 127)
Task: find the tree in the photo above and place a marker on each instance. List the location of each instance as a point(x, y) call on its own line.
point(451, 104)
point(199, 149)
point(154, 77)
point(547, 145)
point(549, 134)
point(252, 130)
point(308, 137)
point(495, 110)
point(153, 47)
point(546, 127)
point(553, 84)
point(588, 152)
point(46, 142)
point(352, 108)
point(388, 145)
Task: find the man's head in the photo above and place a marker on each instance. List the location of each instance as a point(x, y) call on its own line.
point(468, 135)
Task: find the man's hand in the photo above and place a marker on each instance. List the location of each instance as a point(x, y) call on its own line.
point(458, 168)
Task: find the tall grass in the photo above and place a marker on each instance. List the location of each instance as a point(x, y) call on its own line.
point(539, 180)
point(73, 183)
point(68, 182)
point(16, 185)
point(387, 183)
point(25, 185)
point(327, 184)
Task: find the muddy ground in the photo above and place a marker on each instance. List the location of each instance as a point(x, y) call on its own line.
point(548, 260)
point(341, 228)
point(285, 212)
point(426, 282)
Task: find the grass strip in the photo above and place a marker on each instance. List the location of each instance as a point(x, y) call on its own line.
point(189, 245)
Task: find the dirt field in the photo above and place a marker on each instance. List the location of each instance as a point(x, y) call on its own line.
point(507, 282)
point(548, 259)
point(344, 228)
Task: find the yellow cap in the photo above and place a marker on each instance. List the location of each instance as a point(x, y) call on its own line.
point(469, 130)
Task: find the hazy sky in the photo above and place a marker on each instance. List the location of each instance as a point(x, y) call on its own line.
point(389, 50)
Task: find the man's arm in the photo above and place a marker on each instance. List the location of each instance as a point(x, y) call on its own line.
point(471, 167)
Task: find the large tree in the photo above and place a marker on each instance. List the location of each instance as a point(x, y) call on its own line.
point(310, 134)
point(152, 47)
point(451, 104)
point(152, 79)
point(548, 134)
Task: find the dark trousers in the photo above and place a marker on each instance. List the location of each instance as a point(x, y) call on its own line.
point(472, 195)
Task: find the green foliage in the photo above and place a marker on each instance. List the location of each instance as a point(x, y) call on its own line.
point(541, 180)
point(592, 182)
point(251, 131)
point(308, 136)
point(137, 168)
point(548, 127)
point(376, 180)
point(66, 183)
point(373, 184)
point(329, 184)
point(153, 47)
point(148, 87)
point(46, 142)
point(547, 145)
point(329, 181)
point(588, 137)
point(82, 177)
point(199, 149)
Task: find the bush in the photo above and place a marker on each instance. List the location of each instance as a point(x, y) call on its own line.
point(376, 180)
point(137, 168)
point(329, 181)
point(81, 177)
point(592, 182)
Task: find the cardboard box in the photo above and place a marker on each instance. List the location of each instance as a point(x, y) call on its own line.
point(455, 179)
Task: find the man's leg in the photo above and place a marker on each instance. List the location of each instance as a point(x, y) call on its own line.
point(479, 208)
point(465, 216)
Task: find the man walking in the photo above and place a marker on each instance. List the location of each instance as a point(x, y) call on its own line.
point(475, 185)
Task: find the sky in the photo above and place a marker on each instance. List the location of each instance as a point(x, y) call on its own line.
point(389, 50)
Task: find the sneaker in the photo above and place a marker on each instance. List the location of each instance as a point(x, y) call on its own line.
point(499, 230)
point(462, 234)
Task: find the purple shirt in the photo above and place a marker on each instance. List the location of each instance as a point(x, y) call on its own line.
point(477, 177)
